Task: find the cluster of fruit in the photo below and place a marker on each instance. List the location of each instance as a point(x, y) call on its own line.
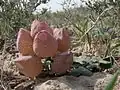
point(41, 42)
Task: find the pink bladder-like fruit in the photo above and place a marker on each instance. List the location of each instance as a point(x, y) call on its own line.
point(37, 26)
point(62, 62)
point(63, 39)
point(24, 42)
point(44, 44)
point(30, 66)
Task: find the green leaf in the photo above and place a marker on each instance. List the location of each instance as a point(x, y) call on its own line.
point(80, 71)
point(105, 64)
point(81, 59)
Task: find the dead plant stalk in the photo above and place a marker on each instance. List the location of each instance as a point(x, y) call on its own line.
point(2, 72)
point(98, 18)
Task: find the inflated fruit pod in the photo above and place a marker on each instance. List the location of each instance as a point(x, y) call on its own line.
point(37, 26)
point(24, 42)
point(44, 45)
point(30, 66)
point(63, 39)
point(62, 62)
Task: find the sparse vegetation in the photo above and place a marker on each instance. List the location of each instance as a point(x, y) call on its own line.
point(94, 28)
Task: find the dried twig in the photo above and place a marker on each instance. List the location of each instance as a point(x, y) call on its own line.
point(2, 72)
point(98, 18)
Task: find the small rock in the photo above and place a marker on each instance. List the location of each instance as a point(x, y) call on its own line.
point(52, 85)
point(95, 82)
point(102, 82)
